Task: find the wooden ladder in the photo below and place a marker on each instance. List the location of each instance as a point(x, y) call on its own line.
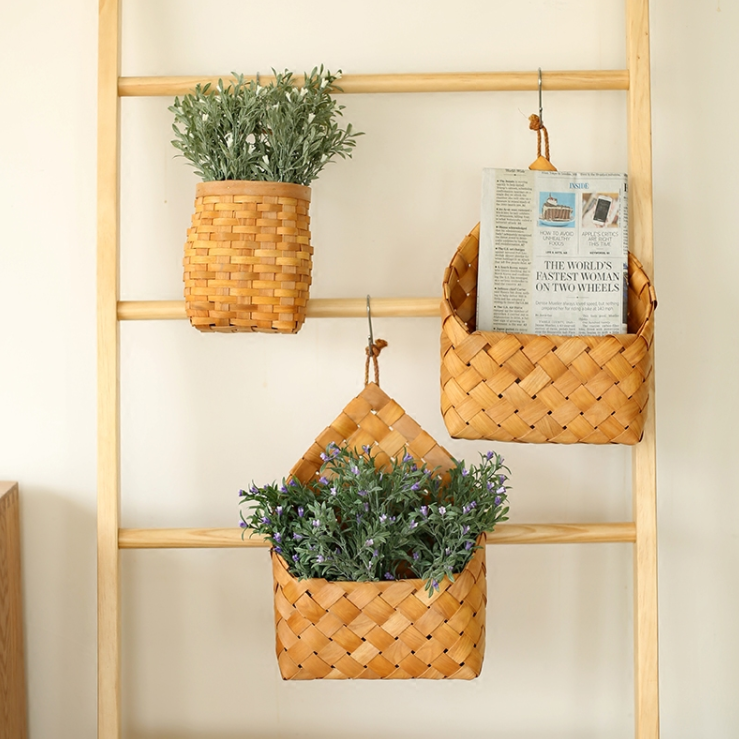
point(641, 532)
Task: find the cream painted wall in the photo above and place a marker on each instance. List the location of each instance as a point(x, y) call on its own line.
point(205, 415)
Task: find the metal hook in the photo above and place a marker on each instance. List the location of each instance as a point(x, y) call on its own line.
point(541, 111)
point(371, 338)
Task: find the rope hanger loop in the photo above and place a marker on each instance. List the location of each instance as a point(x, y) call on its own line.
point(536, 123)
point(373, 350)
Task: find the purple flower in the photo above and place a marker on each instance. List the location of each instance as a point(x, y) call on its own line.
point(277, 536)
point(415, 486)
point(333, 491)
point(324, 456)
point(301, 511)
point(489, 455)
point(412, 524)
point(355, 469)
point(389, 576)
point(447, 551)
point(283, 489)
point(490, 485)
point(465, 472)
point(369, 542)
point(242, 524)
point(295, 558)
point(416, 556)
point(316, 523)
point(297, 537)
point(465, 529)
point(500, 490)
point(323, 480)
point(408, 458)
point(265, 520)
point(254, 489)
point(278, 550)
point(292, 483)
point(366, 507)
point(359, 518)
point(362, 493)
point(319, 558)
point(468, 545)
point(442, 510)
point(242, 493)
point(435, 584)
point(473, 504)
point(383, 518)
point(414, 468)
point(424, 510)
point(366, 448)
point(278, 510)
point(497, 499)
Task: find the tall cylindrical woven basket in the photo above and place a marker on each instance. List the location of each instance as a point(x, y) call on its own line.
point(248, 258)
point(523, 387)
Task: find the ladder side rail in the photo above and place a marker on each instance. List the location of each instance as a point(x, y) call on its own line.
point(108, 474)
point(644, 477)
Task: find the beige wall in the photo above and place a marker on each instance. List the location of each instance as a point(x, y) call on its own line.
point(203, 416)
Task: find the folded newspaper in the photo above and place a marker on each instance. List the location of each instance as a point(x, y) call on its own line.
point(553, 253)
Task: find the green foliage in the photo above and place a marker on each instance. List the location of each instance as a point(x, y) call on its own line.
point(278, 133)
point(357, 522)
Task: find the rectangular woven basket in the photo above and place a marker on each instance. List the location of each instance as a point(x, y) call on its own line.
point(528, 388)
point(379, 630)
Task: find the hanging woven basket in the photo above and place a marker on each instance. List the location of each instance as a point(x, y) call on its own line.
point(522, 387)
point(248, 258)
point(379, 630)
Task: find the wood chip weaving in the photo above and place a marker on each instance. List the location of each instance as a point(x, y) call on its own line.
point(379, 630)
point(248, 259)
point(522, 387)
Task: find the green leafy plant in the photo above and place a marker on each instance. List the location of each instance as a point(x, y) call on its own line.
point(280, 132)
point(358, 521)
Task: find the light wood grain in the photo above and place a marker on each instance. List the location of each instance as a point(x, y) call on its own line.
point(13, 712)
point(612, 79)
point(644, 482)
point(158, 310)
point(109, 647)
point(585, 533)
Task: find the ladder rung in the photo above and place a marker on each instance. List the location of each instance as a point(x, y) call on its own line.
point(570, 533)
point(146, 310)
point(609, 79)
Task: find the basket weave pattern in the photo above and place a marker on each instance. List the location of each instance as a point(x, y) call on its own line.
point(386, 630)
point(248, 259)
point(379, 630)
point(522, 387)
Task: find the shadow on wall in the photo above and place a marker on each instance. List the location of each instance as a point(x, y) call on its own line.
point(58, 563)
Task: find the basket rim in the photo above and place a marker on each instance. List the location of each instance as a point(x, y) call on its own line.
point(417, 582)
point(253, 187)
point(630, 337)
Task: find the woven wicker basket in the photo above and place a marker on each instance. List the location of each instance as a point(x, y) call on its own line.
point(379, 630)
point(521, 387)
point(248, 258)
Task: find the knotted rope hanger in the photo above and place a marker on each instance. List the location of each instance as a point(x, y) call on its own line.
point(372, 350)
point(536, 123)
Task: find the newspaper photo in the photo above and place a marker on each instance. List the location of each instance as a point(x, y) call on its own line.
point(553, 253)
